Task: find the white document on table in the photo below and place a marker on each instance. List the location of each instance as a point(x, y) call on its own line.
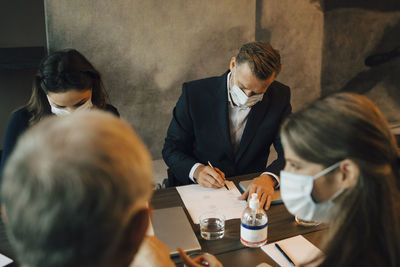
point(198, 200)
point(299, 249)
point(4, 260)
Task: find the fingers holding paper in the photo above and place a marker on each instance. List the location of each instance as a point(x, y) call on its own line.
point(264, 187)
point(202, 260)
point(209, 177)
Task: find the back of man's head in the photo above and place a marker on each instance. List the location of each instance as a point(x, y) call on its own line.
point(262, 58)
point(73, 191)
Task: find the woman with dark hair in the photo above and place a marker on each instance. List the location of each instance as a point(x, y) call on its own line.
point(65, 81)
point(342, 167)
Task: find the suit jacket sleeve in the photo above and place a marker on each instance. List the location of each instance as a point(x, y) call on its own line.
point(178, 146)
point(277, 165)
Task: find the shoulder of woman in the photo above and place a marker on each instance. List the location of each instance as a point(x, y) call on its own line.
point(21, 117)
point(18, 123)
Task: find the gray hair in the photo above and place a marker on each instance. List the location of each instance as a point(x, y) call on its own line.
point(71, 186)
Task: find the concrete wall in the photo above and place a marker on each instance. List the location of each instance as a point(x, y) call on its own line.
point(295, 27)
point(147, 49)
point(324, 45)
point(354, 31)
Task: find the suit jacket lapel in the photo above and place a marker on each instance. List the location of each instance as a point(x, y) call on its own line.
point(256, 115)
point(222, 116)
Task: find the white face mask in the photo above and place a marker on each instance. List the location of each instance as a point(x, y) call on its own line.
point(296, 194)
point(240, 99)
point(61, 112)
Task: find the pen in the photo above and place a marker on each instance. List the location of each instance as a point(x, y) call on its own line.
point(209, 164)
point(285, 254)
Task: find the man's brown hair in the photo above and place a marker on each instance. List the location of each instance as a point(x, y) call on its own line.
point(263, 59)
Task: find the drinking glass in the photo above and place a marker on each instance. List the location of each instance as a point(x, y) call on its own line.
point(212, 225)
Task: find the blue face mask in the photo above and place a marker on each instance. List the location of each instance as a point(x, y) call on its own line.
point(296, 192)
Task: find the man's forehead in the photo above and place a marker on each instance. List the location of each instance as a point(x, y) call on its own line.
point(247, 79)
point(245, 69)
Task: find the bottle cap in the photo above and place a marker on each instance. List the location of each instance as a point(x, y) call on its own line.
point(253, 203)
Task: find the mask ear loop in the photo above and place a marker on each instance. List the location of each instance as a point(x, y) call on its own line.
point(327, 170)
point(231, 80)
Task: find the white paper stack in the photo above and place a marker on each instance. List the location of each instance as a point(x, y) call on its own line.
point(198, 200)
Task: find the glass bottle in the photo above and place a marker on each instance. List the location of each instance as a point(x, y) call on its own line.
point(254, 224)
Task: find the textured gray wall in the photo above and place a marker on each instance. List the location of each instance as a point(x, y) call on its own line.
point(147, 49)
point(353, 31)
point(324, 45)
point(296, 29)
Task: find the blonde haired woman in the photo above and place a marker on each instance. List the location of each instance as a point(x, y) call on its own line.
point(342, 167)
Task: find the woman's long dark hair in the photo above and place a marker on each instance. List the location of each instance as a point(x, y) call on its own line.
point(62, 71)
point(365, 230)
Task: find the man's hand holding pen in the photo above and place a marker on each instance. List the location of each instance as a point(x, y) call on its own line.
point(208, 176)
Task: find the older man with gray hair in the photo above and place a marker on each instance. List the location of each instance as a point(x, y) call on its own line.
point(75, 192)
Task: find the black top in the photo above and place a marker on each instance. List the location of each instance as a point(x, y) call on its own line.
point(199, 131)
point(19, 122)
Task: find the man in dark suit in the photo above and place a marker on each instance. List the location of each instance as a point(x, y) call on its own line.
point(231, 121)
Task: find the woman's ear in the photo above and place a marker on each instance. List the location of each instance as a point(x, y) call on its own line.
point(349, 173)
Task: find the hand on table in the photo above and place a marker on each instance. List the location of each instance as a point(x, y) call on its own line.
point(209, 177)
point(264, 187)
point(202, 260)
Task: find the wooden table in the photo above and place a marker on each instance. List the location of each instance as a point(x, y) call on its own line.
point(229, 249)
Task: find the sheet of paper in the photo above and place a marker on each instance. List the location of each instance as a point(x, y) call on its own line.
point(299, 249)
point(4, 260)
point(198, 199)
